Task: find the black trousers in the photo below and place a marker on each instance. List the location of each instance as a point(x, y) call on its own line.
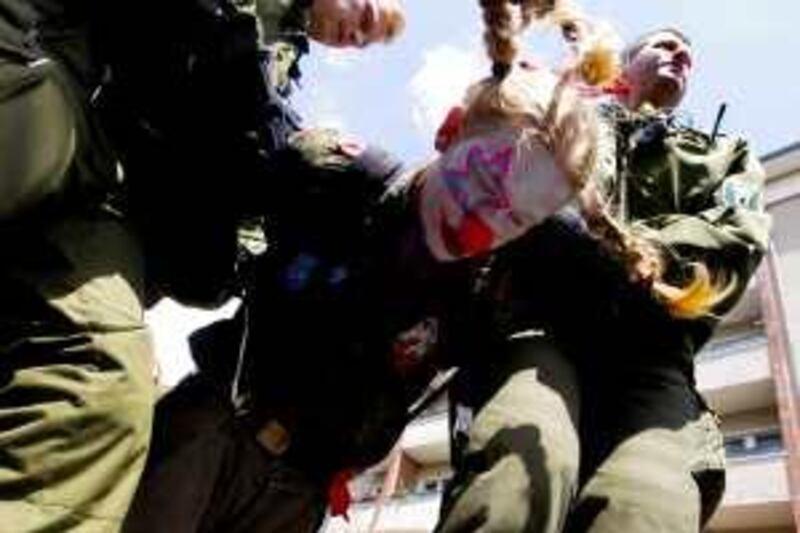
point(207, 473)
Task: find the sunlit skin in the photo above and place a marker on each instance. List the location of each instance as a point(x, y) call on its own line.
point(355, 23)
point(658, 72)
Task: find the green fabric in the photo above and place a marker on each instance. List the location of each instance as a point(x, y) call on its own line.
point(273, 15)
point(37, 137)
point(645, 437)
point(52, 147)
point(638, 437)
point(37, 126)
point(278, 22)
point(76, 387)
point(76, 372)
point(650, 468)
point(527, 440)
point(699, 199)
point(284, 55)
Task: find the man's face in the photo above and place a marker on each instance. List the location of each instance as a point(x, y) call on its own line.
point(343, 23)
point(659, 70)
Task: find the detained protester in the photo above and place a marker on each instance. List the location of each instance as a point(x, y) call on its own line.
point(311, 380)
point(346, 318)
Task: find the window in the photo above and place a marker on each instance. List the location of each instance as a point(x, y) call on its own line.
point(434, 485)
point(732, 344)
point(765, 442)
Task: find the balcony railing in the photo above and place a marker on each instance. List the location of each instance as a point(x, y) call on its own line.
point(752, 445)
point(719, 348)
point(734, 374)
point(756, 493)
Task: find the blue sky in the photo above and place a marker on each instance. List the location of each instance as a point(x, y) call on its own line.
point(746, 54)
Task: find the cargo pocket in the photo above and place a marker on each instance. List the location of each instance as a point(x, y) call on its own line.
point(37, 130)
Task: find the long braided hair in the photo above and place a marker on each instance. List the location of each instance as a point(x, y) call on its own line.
point(568, 127)
point(505, 20)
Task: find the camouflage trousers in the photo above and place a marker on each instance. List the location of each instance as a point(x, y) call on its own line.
point(543, 445)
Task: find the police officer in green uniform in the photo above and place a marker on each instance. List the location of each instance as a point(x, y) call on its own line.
point(580, 412)
point(76, 370)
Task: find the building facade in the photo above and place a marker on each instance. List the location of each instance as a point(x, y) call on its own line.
point(749, 373)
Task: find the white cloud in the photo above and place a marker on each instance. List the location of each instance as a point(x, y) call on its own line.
point(440, 83)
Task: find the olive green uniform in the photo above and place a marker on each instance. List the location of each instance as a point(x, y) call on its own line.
point(76, 369)
point(76, 376)
point(580, 413)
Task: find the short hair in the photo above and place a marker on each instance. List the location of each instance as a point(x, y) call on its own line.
point(632, 49)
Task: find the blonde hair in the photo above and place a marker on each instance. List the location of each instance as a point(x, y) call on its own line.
point(505, 22)
point(644, 262)
point(396, 24)
point(538, 105)
point(567, 124)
